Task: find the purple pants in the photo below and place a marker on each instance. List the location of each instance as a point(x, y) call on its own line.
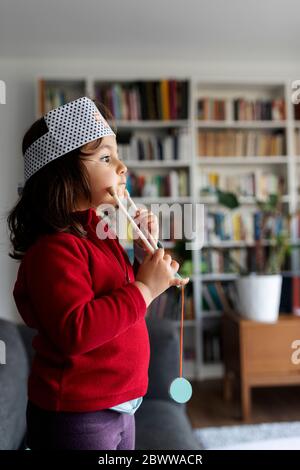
point(92, 430)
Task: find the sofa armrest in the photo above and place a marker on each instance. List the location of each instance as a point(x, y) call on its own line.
point(13, 387)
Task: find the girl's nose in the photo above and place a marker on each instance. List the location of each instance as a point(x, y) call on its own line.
point(122, 168)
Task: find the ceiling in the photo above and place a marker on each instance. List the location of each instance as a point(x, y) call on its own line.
point(209, 30)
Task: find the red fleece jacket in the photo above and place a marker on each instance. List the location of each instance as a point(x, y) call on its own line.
point(92, 348)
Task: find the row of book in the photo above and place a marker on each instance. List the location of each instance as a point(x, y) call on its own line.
point(259, 110)
point(240, 143)
point(168, 305)
point(158, 148)
point(297, 142)
point(240, 109)
point(189, 353)
point(174, 184)
point(145, 100)
point(232, 260)
point(218, 262)
point(297, 221)
point(212, 109)
point(241, 226)
point(217, 296)
point(211, 341)
point(53, 97)
point(297, 112)
point(258, 183)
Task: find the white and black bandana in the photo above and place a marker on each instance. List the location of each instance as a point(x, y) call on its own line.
point(69, 126)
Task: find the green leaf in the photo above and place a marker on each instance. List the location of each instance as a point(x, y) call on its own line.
point(186, 269)
point(227, 199)
point(269, 205)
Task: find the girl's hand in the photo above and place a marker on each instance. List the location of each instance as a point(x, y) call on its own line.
point(156, 274)
point(148, 223)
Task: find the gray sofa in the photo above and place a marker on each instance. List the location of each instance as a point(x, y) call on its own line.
point(161, 423)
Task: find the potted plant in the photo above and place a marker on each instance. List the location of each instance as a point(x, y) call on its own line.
point(258, 293)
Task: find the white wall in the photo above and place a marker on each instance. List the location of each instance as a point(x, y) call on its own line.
point(18, 114)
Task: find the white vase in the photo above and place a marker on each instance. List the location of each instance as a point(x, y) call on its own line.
point(258, 297)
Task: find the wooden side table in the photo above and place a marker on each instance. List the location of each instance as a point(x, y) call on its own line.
point(258, 355)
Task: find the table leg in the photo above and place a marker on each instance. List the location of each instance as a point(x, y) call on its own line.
point(227, 386)
point(246, 400)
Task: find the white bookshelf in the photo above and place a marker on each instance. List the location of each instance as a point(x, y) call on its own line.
point(287, 165)
point(280, 165)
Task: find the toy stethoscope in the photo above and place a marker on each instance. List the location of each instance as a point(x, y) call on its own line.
point(180, 389)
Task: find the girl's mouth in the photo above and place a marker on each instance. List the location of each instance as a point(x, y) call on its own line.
point(121, 189)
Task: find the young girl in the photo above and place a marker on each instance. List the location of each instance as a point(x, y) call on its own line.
point(80, 292)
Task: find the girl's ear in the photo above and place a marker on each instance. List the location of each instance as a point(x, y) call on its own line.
point(87, 152)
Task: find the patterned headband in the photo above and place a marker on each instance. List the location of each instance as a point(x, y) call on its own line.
point(69, 126)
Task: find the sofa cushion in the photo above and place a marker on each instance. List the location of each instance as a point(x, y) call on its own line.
point(13, 387)
point(161, 425)
point(164, 361)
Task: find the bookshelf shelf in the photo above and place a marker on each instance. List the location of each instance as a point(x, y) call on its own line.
point(157, 164)
point(212, 314)
point(242, 199)
point(161, 200)
point(219, 277)
point(151, 124)
point(235, 244)
point(255, 160)
point(242, 124)
point(273, 92)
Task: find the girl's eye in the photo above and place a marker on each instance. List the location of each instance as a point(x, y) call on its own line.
point(105, 158)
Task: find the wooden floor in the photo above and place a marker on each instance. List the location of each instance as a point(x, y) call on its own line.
point(207, 407)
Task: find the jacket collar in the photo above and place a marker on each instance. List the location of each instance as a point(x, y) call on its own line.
point(87, 216)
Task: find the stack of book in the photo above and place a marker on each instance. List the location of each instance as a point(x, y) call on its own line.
point(297, 222)
point(211, 109)
point(240, 109)
point(241, 226)
point(217, 296)
point(175, 146)
point(240, 143)
point(259, 110)
point(297, 142)
point(217, 262)
point(211, 341)
point(54, 96)
point(145, 100)
point(297, 112)
point(174, 184)
point(259, 184)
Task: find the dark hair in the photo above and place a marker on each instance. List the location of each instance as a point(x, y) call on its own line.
point(48, 199)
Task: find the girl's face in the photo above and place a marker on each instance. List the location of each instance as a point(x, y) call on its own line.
point(105, 169)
